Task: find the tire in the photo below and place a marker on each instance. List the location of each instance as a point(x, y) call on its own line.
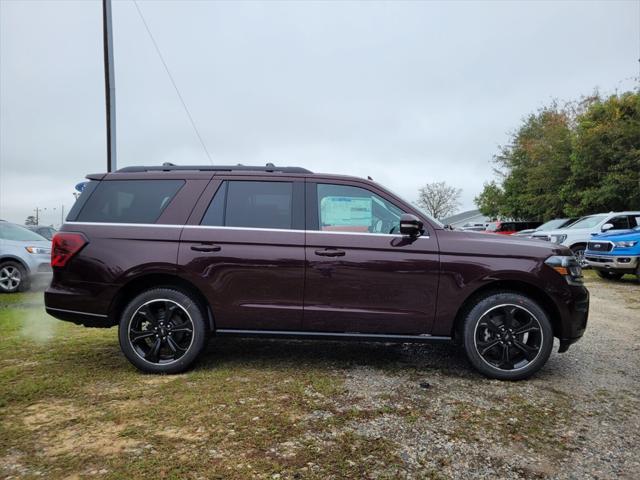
point(578, 252)
point(162, 330)
point(13, 277)
point(491, 327)
point(607, 275)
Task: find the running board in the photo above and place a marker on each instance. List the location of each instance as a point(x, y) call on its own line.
point(369, 337)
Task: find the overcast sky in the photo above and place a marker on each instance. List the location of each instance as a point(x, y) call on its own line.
point(407, 93)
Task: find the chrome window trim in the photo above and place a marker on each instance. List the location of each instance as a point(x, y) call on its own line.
point(214, 227)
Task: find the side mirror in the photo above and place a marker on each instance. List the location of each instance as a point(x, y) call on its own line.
point(607, 226)
point(410, 225)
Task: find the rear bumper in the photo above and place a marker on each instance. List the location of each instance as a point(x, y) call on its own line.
point(79, 318)
point(612, 262)
point(83, 304)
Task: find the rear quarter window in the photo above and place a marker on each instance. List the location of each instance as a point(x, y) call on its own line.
point(129, 201)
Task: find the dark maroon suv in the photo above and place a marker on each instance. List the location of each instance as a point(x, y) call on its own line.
point(173, 255)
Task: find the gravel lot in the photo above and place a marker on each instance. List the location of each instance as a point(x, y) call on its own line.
point(578, 418)
point(72, 407)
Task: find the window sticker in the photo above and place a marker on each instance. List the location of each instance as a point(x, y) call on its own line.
point(346, 213)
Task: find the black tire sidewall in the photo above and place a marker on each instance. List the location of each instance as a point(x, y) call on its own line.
point(194, 310)
point(605, 274)
point(23, 285)
point(499, 298)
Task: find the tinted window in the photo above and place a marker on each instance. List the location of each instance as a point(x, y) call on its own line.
point(343, 208)
point(619, 223)
point(129, 201)
point(252, 205)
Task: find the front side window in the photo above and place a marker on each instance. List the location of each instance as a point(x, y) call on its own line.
point(129, 201)
point(251, 204)
point(342, 208)
point(619, 223)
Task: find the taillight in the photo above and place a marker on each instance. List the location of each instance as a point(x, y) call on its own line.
point(65, 246)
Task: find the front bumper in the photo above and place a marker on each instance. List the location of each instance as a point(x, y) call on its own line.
point(612, 262)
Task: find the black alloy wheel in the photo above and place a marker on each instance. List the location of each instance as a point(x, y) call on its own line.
point(162, 331)
point(507, 335)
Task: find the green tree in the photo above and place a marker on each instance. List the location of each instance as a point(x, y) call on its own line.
point(605, 164)
point(536, 165)
point(490, 200)
point(31, 220)
point(573, 160)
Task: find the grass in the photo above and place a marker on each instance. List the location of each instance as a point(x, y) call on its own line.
point(71, 405)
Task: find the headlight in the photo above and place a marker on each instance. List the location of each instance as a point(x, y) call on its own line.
point(568, 267)
point(625, 244)
point(35, 250)
point(558, 238)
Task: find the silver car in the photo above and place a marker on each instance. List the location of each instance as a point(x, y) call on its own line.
point(25, 257)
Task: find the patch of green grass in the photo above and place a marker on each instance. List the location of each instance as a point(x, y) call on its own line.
point(71, 404)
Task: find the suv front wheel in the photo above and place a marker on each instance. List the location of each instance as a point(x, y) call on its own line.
point(507, 336)
point(162, 331)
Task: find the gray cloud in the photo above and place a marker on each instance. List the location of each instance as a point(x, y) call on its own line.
point(405, 92)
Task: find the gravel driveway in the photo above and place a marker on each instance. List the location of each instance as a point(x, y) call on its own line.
point(578, 418)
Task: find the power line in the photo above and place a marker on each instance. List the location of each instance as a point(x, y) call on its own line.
point(155, 44)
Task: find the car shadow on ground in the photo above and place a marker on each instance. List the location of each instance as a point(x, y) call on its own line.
point(334, 355)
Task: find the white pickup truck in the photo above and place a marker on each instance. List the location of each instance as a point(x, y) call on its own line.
point(578, 234)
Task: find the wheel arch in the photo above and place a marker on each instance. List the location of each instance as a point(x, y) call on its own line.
point(11, 258)
point(576, 244)
point(157, 280)
point(517, 286)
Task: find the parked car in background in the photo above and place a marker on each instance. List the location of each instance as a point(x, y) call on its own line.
point(550, 225)
point(25, 257)
point(614, 253)
point(577, 235)
point(474, 227)
point(174, 255)
point(511, 227)
point(46, 232)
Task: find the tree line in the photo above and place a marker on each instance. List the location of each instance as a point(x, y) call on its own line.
point(569, 160)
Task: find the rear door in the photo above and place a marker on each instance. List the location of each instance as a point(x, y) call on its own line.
point(362, 275)
point(244, 247)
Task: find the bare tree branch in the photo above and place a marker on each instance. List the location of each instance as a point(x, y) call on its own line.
point(439, 199)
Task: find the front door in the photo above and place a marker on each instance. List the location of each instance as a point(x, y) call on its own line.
point(362, 275)
point(247, 254)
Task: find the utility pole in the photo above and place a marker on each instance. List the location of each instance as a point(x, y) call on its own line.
point(109, 85)
point(37, 210)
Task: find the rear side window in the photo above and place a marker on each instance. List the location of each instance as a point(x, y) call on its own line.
point(252, 205)
point(129, 201)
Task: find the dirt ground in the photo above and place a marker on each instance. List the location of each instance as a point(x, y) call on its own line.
point(72, 407)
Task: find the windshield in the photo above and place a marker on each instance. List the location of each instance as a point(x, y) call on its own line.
point(552, 224)
point(493, 227)
point(9, 231)
point(588, 222)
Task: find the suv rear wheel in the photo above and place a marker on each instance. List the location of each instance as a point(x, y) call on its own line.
point(507, 336)
point(162, 331)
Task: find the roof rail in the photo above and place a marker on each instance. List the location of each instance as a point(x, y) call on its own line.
point(167, 167)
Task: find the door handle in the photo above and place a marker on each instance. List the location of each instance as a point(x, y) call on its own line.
point(330, 252)
point(206, 248)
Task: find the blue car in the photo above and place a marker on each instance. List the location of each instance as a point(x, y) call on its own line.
point(612, 254)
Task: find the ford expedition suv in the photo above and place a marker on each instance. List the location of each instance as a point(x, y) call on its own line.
point(173, 255)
